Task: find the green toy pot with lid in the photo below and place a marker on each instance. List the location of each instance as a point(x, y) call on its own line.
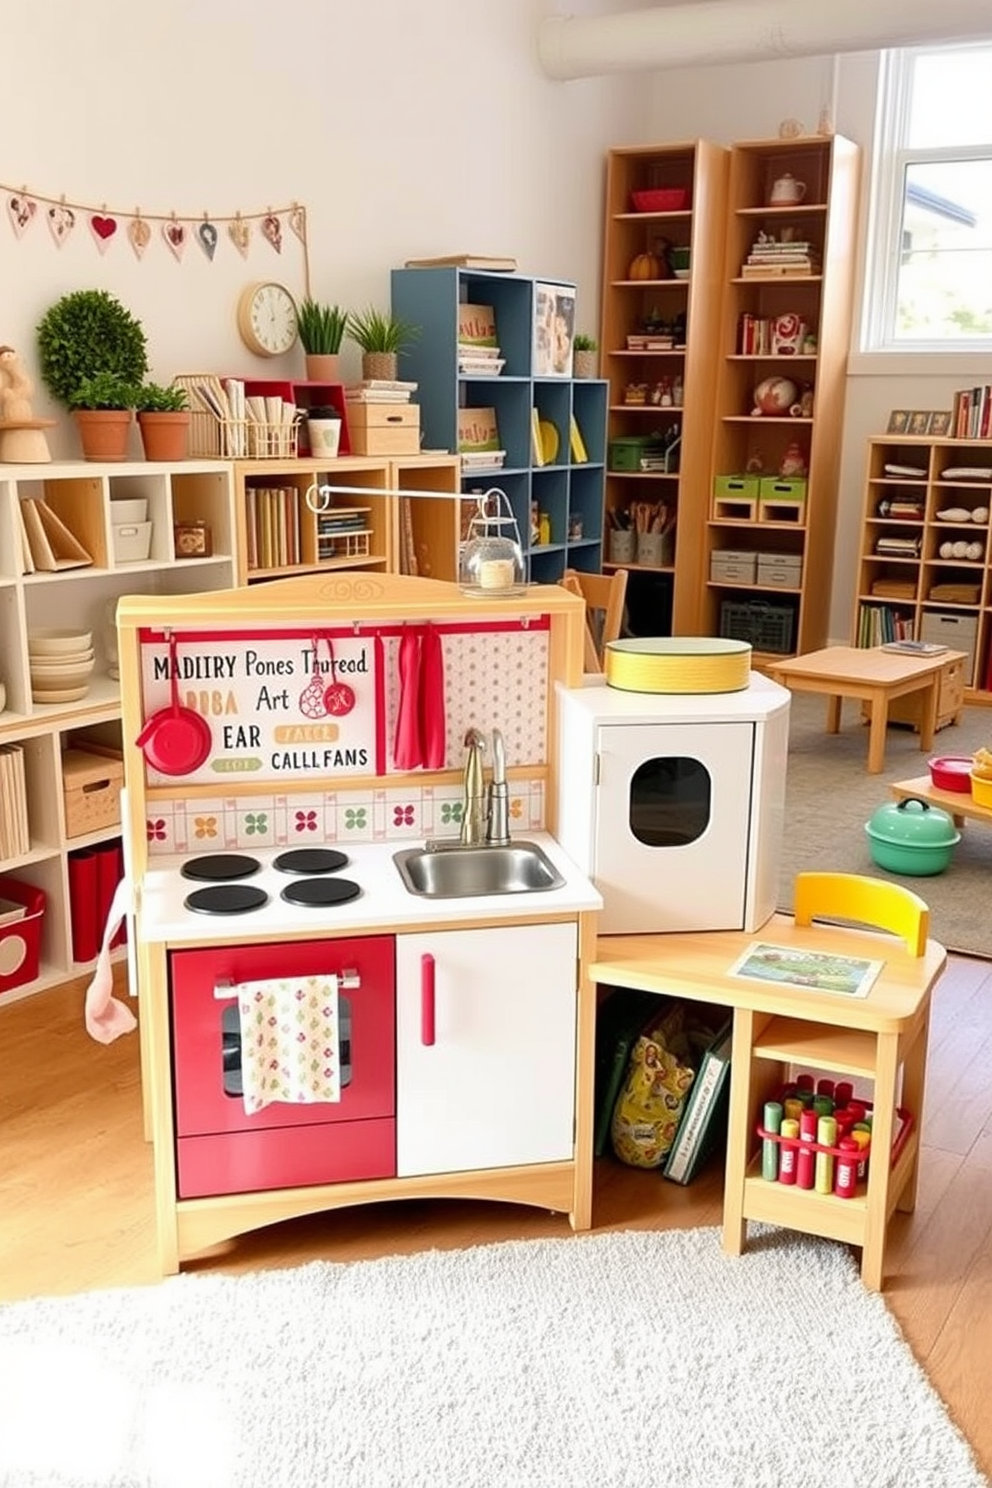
point(911, 837)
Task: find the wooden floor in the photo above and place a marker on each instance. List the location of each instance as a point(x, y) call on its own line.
point(76, 1189)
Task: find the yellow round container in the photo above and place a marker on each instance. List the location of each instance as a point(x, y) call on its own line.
point(981, 790)
point(678, 664)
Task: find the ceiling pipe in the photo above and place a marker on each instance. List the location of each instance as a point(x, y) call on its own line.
point(715, 31)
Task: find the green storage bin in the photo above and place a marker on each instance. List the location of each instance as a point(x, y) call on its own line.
point(744, 487)
point(783, 488)
point(626, 452)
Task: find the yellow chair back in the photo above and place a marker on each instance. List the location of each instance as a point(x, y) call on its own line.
point(861, 900)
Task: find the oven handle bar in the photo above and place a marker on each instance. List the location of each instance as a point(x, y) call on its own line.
point(427, 1004)
point(348, 981)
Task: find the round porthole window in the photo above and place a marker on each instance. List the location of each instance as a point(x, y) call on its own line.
point(670, 802)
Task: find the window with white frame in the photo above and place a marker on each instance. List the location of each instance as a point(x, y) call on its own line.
point(929, 281)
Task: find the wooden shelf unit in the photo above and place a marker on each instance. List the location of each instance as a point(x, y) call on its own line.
point(363, 481)
point(900, 593)
point(791, 528)
point(567, 490)
point(701, 169)
point(82, 493)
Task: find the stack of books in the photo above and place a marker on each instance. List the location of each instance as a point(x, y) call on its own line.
point(769, 256)
point(379, 390)
point(971, 416)
point(15, 837)
point(478, 349)
point(272, 526)
point(478, 439)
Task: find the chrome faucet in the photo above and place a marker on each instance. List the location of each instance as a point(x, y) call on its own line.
point(474, 813)
point(498, 824)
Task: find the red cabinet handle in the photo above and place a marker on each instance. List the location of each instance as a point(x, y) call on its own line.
point(427, 1000)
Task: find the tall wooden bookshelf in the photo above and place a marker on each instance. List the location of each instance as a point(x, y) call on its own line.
point(767, 552)
point(661, 279)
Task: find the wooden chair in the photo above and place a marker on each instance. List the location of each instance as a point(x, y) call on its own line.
point(856, 899)
point(604, 595)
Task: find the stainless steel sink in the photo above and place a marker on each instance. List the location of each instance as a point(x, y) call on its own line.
point(456, 872)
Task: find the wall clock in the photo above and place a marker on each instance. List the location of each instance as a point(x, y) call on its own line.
point(267, 318)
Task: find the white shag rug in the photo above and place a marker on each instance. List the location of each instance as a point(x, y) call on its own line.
point(629, 1358)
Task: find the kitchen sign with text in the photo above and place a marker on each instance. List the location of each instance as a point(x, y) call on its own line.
point(281, 706)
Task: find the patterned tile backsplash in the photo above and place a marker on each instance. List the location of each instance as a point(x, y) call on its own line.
point(381, 815)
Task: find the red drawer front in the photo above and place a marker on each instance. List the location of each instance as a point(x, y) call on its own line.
point(247, 1162)
point(203, 1106)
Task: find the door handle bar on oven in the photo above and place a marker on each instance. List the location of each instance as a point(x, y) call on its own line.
point(427, 1001)
point(348, 981)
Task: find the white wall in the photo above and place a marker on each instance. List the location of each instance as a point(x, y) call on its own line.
point(406, 128)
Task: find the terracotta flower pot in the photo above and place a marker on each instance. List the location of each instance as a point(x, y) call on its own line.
point(323, 367)
point(165, 436)
point(105, 433)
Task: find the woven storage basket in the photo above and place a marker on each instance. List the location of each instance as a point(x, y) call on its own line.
point(678, 664)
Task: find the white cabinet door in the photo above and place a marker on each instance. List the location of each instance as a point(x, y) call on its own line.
point(485, 1048)
point(673, 818)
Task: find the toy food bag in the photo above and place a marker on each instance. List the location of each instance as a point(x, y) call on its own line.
point(649, 1107)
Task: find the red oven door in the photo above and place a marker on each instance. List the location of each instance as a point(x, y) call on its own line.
point(221, 1149)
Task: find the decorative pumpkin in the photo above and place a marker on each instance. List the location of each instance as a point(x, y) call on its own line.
point(647, 266)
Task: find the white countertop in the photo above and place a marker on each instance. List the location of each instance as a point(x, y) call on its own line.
point(384, 903)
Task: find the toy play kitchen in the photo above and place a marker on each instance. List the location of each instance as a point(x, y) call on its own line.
point(354, 914)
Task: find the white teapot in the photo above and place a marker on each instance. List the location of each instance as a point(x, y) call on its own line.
point(786, 191)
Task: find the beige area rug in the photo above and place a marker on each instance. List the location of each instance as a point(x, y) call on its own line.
point(830, 797)
point(597, 1361)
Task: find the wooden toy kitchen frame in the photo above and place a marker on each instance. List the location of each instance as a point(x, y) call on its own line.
point(421, 1116)
point(468, 1026)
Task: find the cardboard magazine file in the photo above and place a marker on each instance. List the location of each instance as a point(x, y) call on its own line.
point(53, 546)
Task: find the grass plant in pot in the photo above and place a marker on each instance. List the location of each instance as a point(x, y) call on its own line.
point(584, 358)
point(103, 408)
point(84, 334)
point(382, 337)
point(163, 419)
point(322, 329)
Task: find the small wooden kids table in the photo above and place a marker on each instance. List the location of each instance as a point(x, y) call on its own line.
point(876, 677)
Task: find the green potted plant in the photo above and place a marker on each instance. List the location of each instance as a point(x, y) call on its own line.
point(584, 359)
point(103, 408)
point(85, 334)
point(381, 336)
point(322, 329)
point(163, 419)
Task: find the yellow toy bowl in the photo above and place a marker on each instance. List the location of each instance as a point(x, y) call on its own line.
point(678, 664)
point(981, 790)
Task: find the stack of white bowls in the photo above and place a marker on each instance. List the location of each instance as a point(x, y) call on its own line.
point(61, 664)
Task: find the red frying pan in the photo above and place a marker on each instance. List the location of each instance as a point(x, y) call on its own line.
point(175, 740)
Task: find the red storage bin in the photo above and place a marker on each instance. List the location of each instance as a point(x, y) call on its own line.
point(20, 940)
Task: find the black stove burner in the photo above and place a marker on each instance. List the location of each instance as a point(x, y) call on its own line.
point(320, 892)
point(226, 899)
point(220, 867)
point(310, 860)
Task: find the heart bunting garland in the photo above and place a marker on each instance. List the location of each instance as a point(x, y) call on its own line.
point(239, 232)
point(21, 210)
point(272, 231)
point(139, 235)
point(206, 236)
point(103, 229)
point(175, 236)
point(61, 220)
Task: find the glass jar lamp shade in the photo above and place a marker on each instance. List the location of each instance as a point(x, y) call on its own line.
point(492, 559)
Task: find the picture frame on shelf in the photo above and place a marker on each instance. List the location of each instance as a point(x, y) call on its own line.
point(554, 329)
point(920, 422)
